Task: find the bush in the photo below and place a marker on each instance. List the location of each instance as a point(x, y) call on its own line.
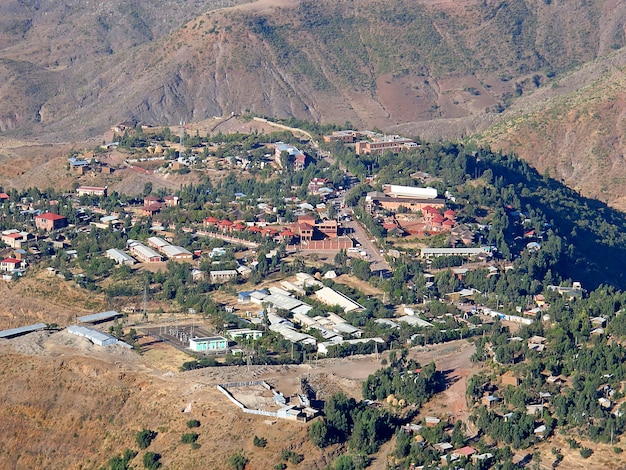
point(573, 444)
point(586, 452)
point(193, 423)
point(145, 437)
point(238, 461)
point(151, 460)
point(291, 456)
point(618, 450)
point(280, 466)
point(122, 462)
point(259, 441)
point(189, 438)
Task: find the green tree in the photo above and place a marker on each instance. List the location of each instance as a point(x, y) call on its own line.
point(145, 437)
point(152, 460)
point(238, 461)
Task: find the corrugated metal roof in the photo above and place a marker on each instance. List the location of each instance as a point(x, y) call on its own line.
point(145, 251)
point(99, 316)
point(94, 336)
point(331, 297)
point(21, 330)
point(173, 250)
point(119, 255)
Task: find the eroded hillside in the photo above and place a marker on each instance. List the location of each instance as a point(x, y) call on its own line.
point(72, 70)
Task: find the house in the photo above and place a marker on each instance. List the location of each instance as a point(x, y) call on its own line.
point(540, 431)
point(489, 400)
point(509, 379)
point(14, 238)
point(537, 343)
point(171, 201)
point(10, 265)
point(534, 410)
point(431, 421)
point(49, 221)
point(570, 293)
point(210, 343)
point(466, 452)
point(316, 184)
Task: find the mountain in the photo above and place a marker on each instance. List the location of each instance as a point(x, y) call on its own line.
point(573, 130)
point(71, 70)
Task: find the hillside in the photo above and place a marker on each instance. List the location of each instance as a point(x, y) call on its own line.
point(372, 63)
point(575, 136)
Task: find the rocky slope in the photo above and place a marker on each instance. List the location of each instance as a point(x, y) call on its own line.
point(574, 133)
point(74, 69)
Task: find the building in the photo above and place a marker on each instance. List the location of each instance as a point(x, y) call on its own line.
point(394, 190)
point(14, 238)
point(158, 243)
point(120, 257)
point(296, 157)
point(50, 221)
point(223, 275)
point(92, 191)
point(144, 253)
point(380, 145)
point(95, 336)
point(245, 333)
point(346, 137)
point(328, 296)
point(177, 253)
point(99, 317)
point(208, 344)
point(465, 252)
point(378, 199)
point(10, 265)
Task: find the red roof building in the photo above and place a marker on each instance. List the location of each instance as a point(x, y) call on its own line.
point(225, 225)
point(10, 264)
point(210, 221)
point(50, 221)
point(449, 214)
point(151, 209)
point(464, 451)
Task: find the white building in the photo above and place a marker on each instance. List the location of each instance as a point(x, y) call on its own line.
point(120, 257)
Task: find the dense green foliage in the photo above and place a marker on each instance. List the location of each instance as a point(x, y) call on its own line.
point(346, 420)
point(145, 437)
point(405, 380)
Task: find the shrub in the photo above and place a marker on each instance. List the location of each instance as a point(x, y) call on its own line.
point(189, 438)
point(151, 460)
point(259, 441)
point(145, 437)
point(193, 423)
point(585, 452)
point(618, 450)
point(280, 466)
point(238, 461)
point(291, 456)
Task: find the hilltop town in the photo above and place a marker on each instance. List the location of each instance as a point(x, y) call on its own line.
point(291, 246)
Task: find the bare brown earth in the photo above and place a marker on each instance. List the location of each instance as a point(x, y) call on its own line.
point(70, 404)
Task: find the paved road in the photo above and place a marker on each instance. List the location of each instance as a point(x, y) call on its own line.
point(378, 265)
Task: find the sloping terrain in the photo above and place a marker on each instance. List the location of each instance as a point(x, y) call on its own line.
point(574, 133)
point(71, 70)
